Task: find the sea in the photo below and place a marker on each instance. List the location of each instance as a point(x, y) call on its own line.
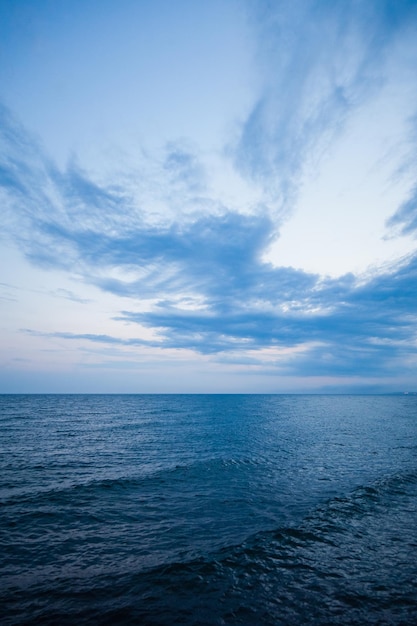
point(208, 509)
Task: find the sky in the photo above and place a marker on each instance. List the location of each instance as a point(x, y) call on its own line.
point(208, 197)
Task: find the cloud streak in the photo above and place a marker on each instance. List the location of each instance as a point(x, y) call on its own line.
point(320, 61)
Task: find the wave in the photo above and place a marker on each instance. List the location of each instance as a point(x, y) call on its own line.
point(158, 475)
point(351, 560)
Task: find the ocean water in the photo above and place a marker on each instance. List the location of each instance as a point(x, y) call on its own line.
point(193, 509)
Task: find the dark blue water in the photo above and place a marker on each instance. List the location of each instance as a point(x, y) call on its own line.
point(208, 509)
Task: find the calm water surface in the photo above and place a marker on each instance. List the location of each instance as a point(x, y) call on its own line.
point(208, 509)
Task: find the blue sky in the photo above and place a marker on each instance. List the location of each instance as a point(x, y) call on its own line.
point(208, 197)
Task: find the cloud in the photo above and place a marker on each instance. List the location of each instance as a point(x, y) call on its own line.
point(334, 327)
point(7, 292)
point(102, 339)
point(356, 327)
point(69, 295)
point(193, 269)
point(404, 219)
point(65, 219)
point(184, 167)
point(319, 61)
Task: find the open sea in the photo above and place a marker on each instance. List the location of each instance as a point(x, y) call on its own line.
point(208, 509)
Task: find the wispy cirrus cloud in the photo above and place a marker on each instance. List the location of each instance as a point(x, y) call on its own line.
point(69, 205)
point(320, 62)
point(404, 219)
point(67, 294)
point(102, 339)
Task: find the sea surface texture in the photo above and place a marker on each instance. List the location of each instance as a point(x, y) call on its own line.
point(194, 509)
